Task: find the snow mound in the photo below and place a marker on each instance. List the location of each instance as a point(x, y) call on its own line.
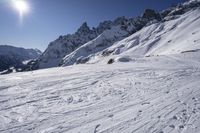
point(123, 59)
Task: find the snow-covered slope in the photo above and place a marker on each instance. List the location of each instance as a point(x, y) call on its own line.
point(106, 39)
point(75, 48)
point(65, 45)
point(88, 44)
point(122, 28)
point(177, 30)
point(13, 56)
point(150, 95)
point(175, 36)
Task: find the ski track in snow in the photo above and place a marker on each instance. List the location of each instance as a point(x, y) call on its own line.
point(155, 95)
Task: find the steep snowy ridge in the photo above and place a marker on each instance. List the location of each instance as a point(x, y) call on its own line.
point(14, 56)
point(87, 44)
point(103, 41)
point(66, 45)
point(171, 37)
point(122, 28)
point(163, 34)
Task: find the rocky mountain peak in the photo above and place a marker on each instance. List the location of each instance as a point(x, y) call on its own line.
point(86, 41)
point(104, 26)
point(151, 14)
point(120, 20)
point(84, 28)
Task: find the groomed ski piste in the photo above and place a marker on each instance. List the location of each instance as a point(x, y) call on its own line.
point(158, 94)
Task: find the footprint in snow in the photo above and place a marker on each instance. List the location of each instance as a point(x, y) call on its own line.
point(139, 113)
point(172, 126)
point(145, 103)
point(181, 126)
point(167, 92)
point(175, 117)
point(111, 115)
point(97, 126)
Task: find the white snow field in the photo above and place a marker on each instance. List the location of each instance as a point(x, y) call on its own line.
point(159, 94)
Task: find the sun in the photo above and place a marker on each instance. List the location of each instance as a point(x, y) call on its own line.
point(21, 6)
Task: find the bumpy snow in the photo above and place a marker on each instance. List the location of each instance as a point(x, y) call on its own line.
point(148, 95)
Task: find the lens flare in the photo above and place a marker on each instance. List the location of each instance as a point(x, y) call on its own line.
point(21, 6)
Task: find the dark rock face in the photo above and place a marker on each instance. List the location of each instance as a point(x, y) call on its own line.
point(150, 14)
point(84, 29)
point(103, 26)
point(6, 62)
point(82, 60)
point(180, 9)
point(111, 61)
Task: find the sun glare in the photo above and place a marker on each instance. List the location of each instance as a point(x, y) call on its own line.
point(21, 6)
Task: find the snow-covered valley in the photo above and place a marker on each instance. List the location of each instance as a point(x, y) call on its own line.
point(158, 94)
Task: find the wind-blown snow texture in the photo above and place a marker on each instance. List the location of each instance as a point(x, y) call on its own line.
point(152, 94)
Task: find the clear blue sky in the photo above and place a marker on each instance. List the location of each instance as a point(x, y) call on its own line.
point(50, 18)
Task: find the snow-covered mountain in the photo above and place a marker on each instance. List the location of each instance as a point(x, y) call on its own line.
point(65, 45)
point(178, 35)
point(175, 30)
point(121, 28)
point(13, 56)
point(101, 37)
point(152, 33)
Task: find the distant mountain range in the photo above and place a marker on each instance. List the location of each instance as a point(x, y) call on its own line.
point(174, 30)
point(91, 40)
point(15, 57)
point(110, 37)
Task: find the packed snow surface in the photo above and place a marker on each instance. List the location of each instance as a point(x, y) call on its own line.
point(159, 94)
